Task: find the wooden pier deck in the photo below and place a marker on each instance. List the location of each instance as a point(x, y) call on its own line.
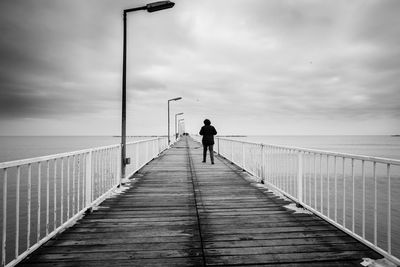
point(179, 211)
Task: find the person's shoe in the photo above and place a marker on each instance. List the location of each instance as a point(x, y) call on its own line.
point(212, 163)
point(204, 161)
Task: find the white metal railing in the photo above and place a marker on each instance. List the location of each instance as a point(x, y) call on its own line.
point(44, 195)
point(358, 194)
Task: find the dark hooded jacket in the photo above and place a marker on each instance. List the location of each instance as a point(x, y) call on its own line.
point(208, 132)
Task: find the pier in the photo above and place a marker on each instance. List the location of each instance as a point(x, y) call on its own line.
point(178, 211)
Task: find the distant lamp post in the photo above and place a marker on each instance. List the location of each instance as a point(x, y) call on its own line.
point(169, 100)
point(182, 125)
point(152, 7)
point(176, 131)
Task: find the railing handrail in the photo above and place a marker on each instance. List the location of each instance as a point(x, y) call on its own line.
point(19, 162)
point(323, 152)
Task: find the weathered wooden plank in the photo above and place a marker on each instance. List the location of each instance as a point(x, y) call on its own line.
point(286, 249)
point(118, 247)
point(317, 257)
point(157, 262)
point(280, 241)
point(118, 240)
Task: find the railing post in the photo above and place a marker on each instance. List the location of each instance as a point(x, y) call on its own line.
point(262, 163)
point(300, 177)
point(231, 151)
point(88, 179)
point(218, 146)
point(119, 174)
point(243, 157)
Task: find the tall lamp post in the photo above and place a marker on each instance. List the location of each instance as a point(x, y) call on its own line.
point(176, 131)
point(182, 124)
point(169, 100)
point(152, 7)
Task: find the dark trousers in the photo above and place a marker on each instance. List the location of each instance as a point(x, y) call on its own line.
point(210, 147)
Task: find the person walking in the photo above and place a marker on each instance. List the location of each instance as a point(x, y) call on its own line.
point(208, 131)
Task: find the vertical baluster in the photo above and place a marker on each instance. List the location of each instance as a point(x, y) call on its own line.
point(47, 196)
point(88, 179)
point(107, 169)
point(96, 176)
point(328, 185)
point(84, 184)
point(300, 177)
point(287, 183)
point(99, 171)
point(17, 211)
point(315, 181)
point(321, 184)
point(335, 177)
point(112, 164)
point(62, 192)
point(4, 237)
point(344, 192)
point(78, 198)
point(269, 165)
point(281, 169)
point(353, 196)
point(73, 184)
point(389, 211)
point(289, 167)
point(279, 173)
point(262, 165)
point(98, 167)
point(375, 206)
point(68, 185)
point(266, 163)
point(363, 197)
point(116, 165)
point(103, 186)
point(109, 164)
point(276, 168)
point(309, 179)
point(231, 151)
point(28, 227)
point(39, 197)
point(55, 195)
point(273, 158)
point(243, 156)
point(137, 157)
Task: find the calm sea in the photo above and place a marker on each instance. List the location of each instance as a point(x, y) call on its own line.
point(21, 147)
point(369, 145)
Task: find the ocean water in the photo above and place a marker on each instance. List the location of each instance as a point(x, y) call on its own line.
point(368, 145)
point(22, 147)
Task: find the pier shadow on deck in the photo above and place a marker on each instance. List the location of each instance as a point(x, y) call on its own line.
point(178, 211)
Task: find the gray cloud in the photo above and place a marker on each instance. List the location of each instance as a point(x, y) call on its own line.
point(266, 60)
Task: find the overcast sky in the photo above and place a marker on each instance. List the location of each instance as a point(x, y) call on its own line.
point(250, 66)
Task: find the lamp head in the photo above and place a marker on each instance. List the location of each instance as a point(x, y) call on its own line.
point(156, 6)
point(176, 98)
